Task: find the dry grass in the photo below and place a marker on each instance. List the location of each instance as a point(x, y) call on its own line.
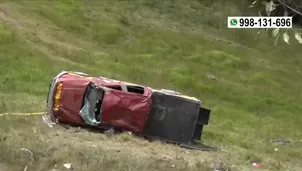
point(85, 150)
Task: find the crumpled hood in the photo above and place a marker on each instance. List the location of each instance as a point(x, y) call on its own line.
point(71, 100)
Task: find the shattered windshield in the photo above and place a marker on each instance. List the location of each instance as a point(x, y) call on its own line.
point(91, 110)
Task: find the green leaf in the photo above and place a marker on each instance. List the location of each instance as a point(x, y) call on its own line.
point(285, 12)
point(276, 40)
point(275, 32)
point(258, 33)
point(298, 37)
point(269, 7)
point(253, 4)
point(286, 37)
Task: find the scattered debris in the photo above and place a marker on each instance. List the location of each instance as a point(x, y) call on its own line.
point(199, 146)
point(31, 153)
point(25, 168)
point(280, 141)
point(47, 121)
point(211, 77)
point(67, 165)
point(109, 131)
point(257, 165)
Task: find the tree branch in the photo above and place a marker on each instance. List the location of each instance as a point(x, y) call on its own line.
point(297, 12)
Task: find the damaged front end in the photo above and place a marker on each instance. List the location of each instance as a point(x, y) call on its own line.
point(55, 92)
point(50, 96)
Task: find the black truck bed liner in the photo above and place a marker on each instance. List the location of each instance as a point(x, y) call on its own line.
point(176, 119)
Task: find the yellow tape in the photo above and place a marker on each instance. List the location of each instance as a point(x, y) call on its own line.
point(23, 114)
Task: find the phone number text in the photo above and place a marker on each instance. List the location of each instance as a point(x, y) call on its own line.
point(259, 22)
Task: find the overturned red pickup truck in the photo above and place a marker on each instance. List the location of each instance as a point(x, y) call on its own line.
point(77, 98)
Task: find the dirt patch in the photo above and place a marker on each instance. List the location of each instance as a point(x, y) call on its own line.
point(4, 16)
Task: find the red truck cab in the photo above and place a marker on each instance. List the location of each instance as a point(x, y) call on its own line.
point(98, 101)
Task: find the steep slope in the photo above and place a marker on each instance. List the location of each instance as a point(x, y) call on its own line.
point(252, 86)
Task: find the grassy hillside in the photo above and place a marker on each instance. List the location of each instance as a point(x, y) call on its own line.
point(252, 86)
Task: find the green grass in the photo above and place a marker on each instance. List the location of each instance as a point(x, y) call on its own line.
point(254, 96)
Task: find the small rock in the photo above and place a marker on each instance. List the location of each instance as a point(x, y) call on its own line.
point(276, 149)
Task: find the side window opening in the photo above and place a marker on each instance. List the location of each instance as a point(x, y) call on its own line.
point(128, 88)
point(116, 87)
point(135, 89)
